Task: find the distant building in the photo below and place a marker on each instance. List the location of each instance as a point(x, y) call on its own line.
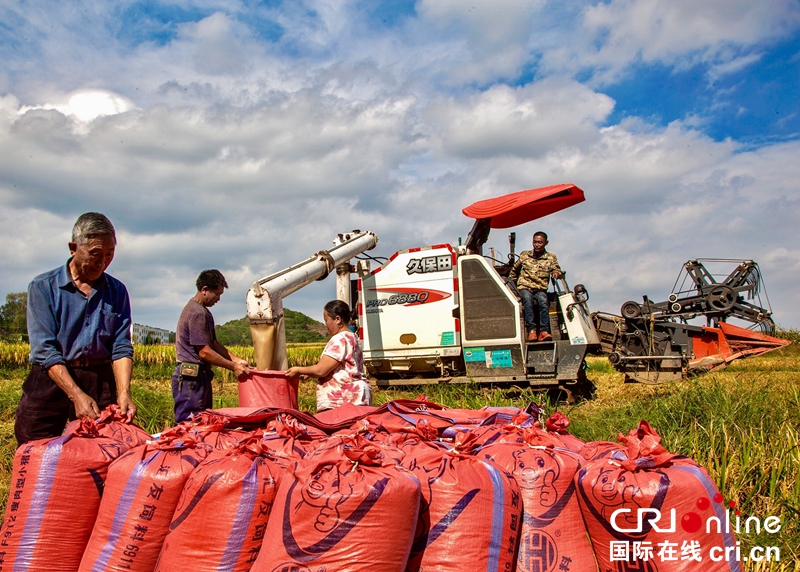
point(140, 333)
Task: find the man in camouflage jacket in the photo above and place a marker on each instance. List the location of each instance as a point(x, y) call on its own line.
point(532, 273)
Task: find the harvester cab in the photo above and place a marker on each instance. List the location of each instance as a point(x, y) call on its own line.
point(449, 314)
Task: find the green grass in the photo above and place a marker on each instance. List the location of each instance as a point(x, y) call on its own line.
point(742, 423)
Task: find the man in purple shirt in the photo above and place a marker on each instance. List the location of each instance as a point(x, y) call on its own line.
point(79, 321)
point(197, 349)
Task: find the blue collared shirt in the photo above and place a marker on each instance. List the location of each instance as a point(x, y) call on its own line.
point(64, 324)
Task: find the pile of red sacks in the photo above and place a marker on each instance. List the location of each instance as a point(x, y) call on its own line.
point(408, 486)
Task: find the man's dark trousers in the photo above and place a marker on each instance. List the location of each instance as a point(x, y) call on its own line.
point(191, 394)
point(45, 409)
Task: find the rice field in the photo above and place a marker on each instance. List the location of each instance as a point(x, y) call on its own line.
point(742, 424)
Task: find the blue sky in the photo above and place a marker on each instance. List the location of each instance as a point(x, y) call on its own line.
point(246, 135)
point(755, 105)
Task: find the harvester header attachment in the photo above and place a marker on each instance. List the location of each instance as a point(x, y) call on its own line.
point(653, 342)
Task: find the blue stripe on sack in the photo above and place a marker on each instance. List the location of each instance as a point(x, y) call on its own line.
point(719, 508)
point(498, 418)
point(413, 418)
point(416, 509)
point(498, 514)
point(121, 512)
point(453, 430)
point(241, 523)
point(39, 500)
point(501, 408)
point(392, 408)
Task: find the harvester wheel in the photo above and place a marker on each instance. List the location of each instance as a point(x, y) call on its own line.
point(721, 298)
point(631, 310)
point(582, 389)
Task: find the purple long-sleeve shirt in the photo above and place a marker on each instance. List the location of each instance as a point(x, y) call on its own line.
point(64, 324)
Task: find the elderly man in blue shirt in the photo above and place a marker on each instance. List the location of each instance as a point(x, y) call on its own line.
point(79, 321)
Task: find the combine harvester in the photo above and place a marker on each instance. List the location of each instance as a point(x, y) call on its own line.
point(443, 313)
point(447, 314)
point(654, 343)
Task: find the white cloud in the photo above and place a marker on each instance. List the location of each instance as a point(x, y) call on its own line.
point(85, 106)
point(525, 122)
point(220, 46)
point(730, 66)
point(615, 34)
point(489, 25)
point(219, 149)
point(494, 34)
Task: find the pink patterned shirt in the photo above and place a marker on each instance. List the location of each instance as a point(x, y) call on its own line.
point(347, 382)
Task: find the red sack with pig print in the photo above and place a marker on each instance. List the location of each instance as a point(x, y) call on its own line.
point(553, 536)
point(222, 514)
point(142, 490)
point(649, 510)
point(471, 509)
point(593, 450)
point(350, 509)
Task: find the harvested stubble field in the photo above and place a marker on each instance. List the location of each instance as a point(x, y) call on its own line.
point(742, 423)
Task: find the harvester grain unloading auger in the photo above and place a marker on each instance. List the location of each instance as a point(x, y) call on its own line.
point(265, 298)
point(652, 342)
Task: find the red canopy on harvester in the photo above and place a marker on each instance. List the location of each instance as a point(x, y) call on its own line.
point(525, 206)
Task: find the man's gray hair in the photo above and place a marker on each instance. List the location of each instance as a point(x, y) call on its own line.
point(92, 225)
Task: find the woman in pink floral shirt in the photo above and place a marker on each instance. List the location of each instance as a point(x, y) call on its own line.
point(340, 370)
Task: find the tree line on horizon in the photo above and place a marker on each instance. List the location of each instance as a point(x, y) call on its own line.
point(14, 317)
point(299, 327)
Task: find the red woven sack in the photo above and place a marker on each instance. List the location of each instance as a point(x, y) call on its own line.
point(286, 438)
point(226, 439)
point(202, 422)
point(476, 417)
point(647, 509)
point(514, 432)
point(553, 535)
point(471, 509)
point(345, 413)
point(208, 427)
point(268, 389)
point(56, 487)
point(557, 424)
point(222, 514)
point(354, 511)
point(403, 415)
point(338, 444)
point(110, 423)
point(142, 490)
point(598, 450)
